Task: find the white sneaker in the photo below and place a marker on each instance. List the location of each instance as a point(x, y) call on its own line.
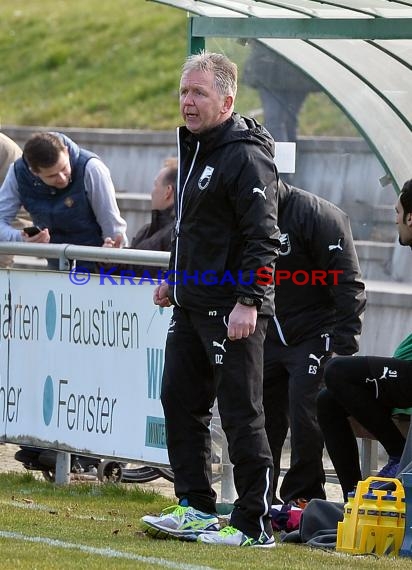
point(185, 523)
point(231, 536)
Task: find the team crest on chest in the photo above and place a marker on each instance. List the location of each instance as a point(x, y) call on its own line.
point(205, 177)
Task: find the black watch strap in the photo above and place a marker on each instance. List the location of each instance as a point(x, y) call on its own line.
point(248, 301)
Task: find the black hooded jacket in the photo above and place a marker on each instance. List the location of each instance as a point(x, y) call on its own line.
point(226, 216)
point(317, 237)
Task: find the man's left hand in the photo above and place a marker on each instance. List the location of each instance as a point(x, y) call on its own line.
point(242, 322)
point(42, 237)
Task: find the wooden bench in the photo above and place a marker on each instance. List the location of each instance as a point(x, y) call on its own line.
point(369, 446)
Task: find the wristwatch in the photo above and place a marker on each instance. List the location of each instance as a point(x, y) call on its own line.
point(248, 301)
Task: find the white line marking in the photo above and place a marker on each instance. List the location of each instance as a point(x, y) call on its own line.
point(108, 552)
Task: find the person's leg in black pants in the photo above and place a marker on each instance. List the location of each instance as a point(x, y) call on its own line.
point(305, 478)
point(200, 363)
point(367, 388)
point(340, 441)
point(292, 380)
point(276, 405)
point(188, 393)
point(239, 376)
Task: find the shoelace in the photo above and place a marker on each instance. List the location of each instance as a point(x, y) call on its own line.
point(231, 530)
point(177, 510)
point(228, 531)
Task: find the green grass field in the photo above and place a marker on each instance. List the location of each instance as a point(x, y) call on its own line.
point(93, 526)
point(100, 63)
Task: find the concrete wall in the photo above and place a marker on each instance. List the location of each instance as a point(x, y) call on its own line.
point(388, 317)
point(133, 156)
point(344, 171)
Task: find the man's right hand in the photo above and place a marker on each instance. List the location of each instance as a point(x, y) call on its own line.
point(117, 242)
point(160, 296)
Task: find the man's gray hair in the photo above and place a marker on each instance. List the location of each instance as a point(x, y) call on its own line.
point(224, 70)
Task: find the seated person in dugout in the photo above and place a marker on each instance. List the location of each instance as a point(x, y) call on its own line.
point(368, 388)
point(155, 235)
point(68, 192)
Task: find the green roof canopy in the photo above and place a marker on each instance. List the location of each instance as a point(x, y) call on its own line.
point(358, 51)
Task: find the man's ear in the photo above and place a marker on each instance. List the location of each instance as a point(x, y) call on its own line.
point(409, 219)
point(227, 104)
point(169, 192)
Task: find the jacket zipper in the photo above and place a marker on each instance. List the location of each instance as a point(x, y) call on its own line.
point(180, 207)
point(327, 341)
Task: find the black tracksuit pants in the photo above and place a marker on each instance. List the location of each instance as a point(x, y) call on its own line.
point(367, 388)
point(293, 377)
point(201, 363)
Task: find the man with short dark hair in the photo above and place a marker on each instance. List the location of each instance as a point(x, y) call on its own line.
point(67, 190)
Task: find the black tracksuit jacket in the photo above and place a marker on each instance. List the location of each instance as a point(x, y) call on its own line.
point(226, 213)
point(316, 235)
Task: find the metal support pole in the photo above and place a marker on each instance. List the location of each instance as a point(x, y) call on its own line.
point(64, 263)
point(368, 457)
point(62, 468)
point(227, 490)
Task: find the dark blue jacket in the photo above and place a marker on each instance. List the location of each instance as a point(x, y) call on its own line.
point(65, 212)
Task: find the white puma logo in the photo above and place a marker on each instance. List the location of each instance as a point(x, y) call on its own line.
point(386, 372)
point(171, 328)
point(222, 346)
point(316, 358)
point(259, 191)
point(376, 385)
point(337, 246)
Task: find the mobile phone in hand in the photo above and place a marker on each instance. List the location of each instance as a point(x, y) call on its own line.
point(32, 230)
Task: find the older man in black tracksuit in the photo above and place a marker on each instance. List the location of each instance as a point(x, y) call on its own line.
point(319, 301)
point(226, 206)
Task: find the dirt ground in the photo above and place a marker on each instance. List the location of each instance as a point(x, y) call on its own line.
point(9, 464)
point(7, 461)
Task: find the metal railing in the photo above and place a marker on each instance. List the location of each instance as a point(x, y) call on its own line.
point(65, 252)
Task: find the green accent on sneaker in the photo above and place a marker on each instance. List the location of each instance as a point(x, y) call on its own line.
point(231, 530)
point(223, 537)
point(180, 522)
